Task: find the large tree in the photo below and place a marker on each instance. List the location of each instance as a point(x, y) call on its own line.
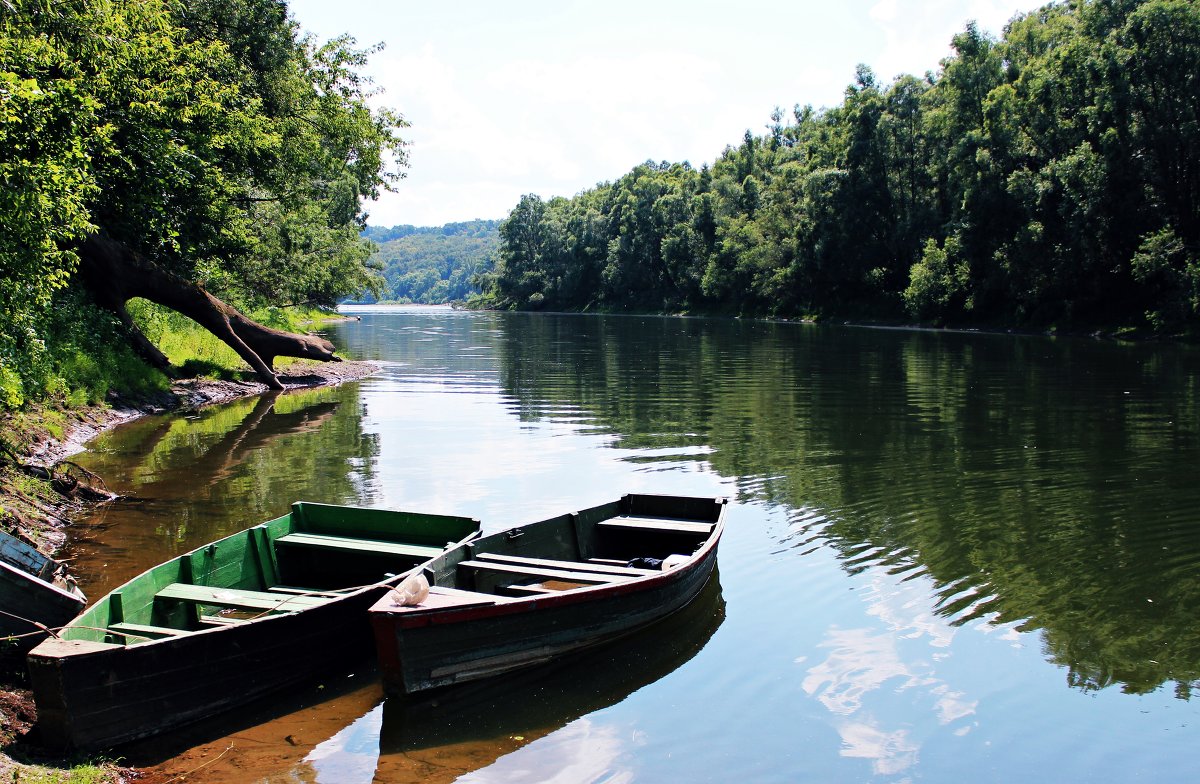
point(186, 153)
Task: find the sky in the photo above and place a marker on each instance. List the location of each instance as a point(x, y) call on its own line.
point(553, 97)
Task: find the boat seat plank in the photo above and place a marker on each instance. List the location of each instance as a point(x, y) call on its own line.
point(145, 631)
point(566, 575)
point(356, 545)
point(530, 590)
point(296, 590)
point(236, 598)
point(221, 620)
point(657, 524)
point(577, 566)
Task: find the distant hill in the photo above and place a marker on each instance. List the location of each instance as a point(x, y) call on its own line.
point(432, 264)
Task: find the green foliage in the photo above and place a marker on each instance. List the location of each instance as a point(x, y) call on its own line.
point(1050, 178)
point(207, 135)
point(431, 265)
point(1163, 260)
point(937, 281)
point(77, 356)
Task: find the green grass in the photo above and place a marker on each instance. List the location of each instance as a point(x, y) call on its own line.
point(200, 353)
point(86, 354)
point(186, 343)
point(80, 774)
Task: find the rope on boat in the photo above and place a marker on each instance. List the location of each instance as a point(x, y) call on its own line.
point(41, 627)
point(347, 591)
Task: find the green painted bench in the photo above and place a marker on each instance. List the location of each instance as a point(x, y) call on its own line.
point(238, 599)
point(355, 545)
point(144, 631)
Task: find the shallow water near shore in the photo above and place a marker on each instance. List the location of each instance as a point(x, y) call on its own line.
point(949, 556)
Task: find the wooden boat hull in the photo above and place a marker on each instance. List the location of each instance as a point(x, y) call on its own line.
point(92, 696)
point(442, 735)
point(103, 685)
point(28, 595)
point(462, 637)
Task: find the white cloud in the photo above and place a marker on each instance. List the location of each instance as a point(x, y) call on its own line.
point(508, 99)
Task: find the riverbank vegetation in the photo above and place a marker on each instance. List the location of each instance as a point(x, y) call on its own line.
point(1049, 179)
point(431, 265)
point(203, 156)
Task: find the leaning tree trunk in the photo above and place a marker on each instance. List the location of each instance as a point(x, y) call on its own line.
point(116, 274)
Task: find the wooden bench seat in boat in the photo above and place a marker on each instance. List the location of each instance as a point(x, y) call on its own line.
point(145, 632)
point(298, 591)
point(221, 620)
point(575, 566)
point(565, 575)
point(352, 544)
point(530, 590)
point(657, 524)
point(238, 599)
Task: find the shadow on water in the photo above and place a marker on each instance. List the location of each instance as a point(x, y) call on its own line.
point(342, 730)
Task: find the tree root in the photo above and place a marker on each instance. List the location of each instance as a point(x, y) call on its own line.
point(67, 477)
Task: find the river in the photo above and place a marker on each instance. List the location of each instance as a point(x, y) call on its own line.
point(950, 556)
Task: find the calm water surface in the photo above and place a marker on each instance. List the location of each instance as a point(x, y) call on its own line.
point(951, 557)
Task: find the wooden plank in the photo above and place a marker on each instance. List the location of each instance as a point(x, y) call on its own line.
point(577, 566)
point(222, 620)
point(25, 557)
point(264, 551)
point(348, 544)
point(298, 591)
point(657, 524)
point(145, 631)
point(530, 590)
point(238, 599)
point(565, 575)
point(366, 523)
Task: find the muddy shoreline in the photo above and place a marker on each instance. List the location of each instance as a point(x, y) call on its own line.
point(43, 516)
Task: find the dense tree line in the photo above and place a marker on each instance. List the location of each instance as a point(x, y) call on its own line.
point(1050, 178)
point(176, 152)
point(431, 265)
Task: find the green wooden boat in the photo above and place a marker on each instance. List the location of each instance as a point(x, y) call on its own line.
point(228, 622)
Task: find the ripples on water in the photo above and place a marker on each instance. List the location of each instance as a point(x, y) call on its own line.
point(953, 554)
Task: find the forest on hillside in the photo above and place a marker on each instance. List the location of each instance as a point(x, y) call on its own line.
point(430, 265)
point(1048, 179)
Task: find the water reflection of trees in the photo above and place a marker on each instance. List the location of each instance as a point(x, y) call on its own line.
point(193, 479)
point(1048, 483)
